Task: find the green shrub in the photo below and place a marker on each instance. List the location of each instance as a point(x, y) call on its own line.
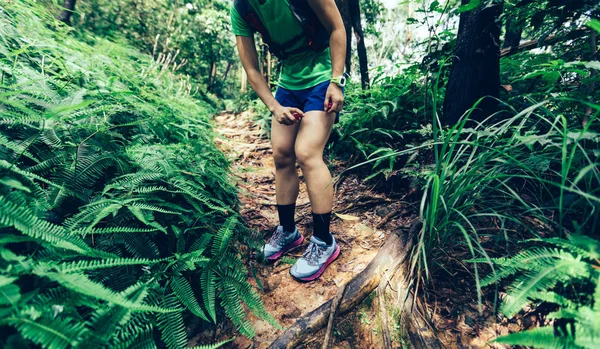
point(117, 211)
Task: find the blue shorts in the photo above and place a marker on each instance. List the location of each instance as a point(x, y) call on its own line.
point(312, 98)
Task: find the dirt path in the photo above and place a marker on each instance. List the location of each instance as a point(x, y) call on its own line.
point(357, 233)
point(363, 220)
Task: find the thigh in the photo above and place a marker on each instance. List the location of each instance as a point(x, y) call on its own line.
point(283, 137)
point(314, 132)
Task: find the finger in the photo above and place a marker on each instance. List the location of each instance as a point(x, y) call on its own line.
point(289, 117)
point(333, 107)
point(340, 106)
point(327, 103)
point(298, 112)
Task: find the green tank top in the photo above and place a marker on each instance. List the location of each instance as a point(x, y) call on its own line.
point(300, 71)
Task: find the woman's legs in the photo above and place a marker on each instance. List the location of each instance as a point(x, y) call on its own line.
point(313, 134)
point(286, 176)
point(312, 137)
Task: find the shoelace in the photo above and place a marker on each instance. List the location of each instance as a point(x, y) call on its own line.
point(276, 238)
point(313, 253)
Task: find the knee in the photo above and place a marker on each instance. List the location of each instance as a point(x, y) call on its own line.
point(308, 160)
point(283, 159)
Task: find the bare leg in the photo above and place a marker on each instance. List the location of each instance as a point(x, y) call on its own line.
point(310, 142)
point(286, 176)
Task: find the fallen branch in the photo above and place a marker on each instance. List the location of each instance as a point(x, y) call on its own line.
point(387, 218)
point(385, 329)
point(334, 308)
point(393, 253)
point(548, 41)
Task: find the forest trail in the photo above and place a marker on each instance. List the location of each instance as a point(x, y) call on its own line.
point(362, 221)
point(358, 234)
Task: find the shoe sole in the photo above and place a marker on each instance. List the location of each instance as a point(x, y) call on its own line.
point(279, 254)
point(319, 272)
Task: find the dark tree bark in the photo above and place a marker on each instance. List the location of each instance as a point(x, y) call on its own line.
point(350, 11)
point(360, 38)
point(475, 69)
point(67, 12)
point(345, 12)
point(512, 37)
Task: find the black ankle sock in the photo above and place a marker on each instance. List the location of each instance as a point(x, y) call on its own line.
point(286, 217)
point(321, 227)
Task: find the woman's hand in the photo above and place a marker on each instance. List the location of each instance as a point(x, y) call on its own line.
point(334, 99)
point(287, 116)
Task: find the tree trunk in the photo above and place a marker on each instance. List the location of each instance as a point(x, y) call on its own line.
point(344, 9)
point(512, 38)
point(229, 65)
point(360, 38)
point(213, 74)
point(67, 12)
point(243, 80)
point(475, 69)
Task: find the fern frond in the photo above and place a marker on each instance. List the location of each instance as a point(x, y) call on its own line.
point(130, 181)
point(530, 282)
point(211, 203)
point(142, 340)
point(183, 291)
point(234, 309)
point(24, 221)
point(70, 267)
point(105, 321)
point(5, 165)
point(49, 333)
point(114, 230)
point(209, 294)
point(81, 284)
point(250, 297)
point(212, 346)
point(171, 326)
point(579, 244)
point(223, 236)
point(542, 338)
point(152, 208)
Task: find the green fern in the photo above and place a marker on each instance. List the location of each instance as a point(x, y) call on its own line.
point(212, 346)
point(49, 333)
point(209, 292)
point(171, 326)
point(537, 276)
point(542, 337)
point(113, 196)
point(183, 291)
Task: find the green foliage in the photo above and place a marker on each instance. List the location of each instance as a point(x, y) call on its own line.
point(193, 34)
point(115, 202)
point(561, 276)
point(483, 185)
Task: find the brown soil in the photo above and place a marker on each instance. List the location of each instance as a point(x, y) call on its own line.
point(363, 220)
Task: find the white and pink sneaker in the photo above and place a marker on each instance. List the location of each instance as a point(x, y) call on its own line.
point(281, 242)
point(315, 260)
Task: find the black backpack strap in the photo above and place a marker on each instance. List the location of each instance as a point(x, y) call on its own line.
point(315, 32)
point(246, 11)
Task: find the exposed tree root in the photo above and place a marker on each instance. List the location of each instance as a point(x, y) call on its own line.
point(385, 329)
point(391, 257)
point(334, 309)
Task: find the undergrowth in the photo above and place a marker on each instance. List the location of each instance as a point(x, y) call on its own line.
point(117, 212)
point(529, 171)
